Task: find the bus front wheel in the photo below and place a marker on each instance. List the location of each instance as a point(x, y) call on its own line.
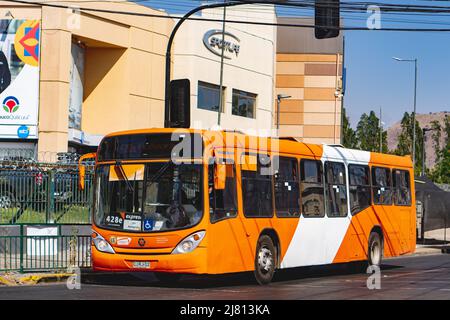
point(265, 260)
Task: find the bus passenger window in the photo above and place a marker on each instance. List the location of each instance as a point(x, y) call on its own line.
point(360, 195)
point(222, 203)
point(313, 204)
point(257, 188)
point(381, 186)
point(286, 188)
point(336, 189)
point(402, 186)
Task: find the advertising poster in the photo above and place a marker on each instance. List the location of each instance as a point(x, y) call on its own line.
point(19, 78)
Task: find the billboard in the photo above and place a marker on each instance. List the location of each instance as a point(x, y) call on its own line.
point(19, 78)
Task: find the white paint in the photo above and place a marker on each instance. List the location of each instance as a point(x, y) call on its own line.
point(44, 246)
point(316, 241)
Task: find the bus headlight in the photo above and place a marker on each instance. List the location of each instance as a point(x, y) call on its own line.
point(189, 243)
point(101, 244)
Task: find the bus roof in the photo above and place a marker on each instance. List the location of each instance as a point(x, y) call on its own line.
point(285, 145)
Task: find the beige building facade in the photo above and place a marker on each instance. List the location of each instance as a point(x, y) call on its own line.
point(248, 69)
point(310, 72)
point(94, 73)
point(99, 73)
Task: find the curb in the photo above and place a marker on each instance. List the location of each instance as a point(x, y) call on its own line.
point(7, 282)
point(35, 279)
point(425, 250)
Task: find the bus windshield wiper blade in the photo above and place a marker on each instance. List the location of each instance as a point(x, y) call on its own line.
point(124, 175)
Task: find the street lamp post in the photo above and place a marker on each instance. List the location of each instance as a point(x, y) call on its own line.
point(279, 98)
point(415, 101)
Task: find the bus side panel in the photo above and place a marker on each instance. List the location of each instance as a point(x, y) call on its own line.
point(229, 248)
point(393, 225)
point(389, 222)
point(285, 229)
point(354, 244)
point(316, 241)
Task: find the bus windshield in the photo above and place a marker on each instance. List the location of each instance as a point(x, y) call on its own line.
point(152, 197)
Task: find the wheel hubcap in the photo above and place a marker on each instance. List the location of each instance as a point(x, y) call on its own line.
point(375, 253)
point(265, 259)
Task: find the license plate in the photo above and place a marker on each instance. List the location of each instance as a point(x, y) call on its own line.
point(141, 264)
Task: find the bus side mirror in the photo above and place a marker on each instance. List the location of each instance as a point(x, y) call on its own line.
point(220, 176)
point(82, 169)
point(327, 16)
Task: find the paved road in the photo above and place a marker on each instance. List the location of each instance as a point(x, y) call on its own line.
point(412, 277)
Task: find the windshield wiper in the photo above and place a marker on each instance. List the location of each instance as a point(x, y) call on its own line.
point(124, 175)
point(158, 173)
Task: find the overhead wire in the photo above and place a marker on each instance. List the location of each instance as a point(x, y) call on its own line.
point(303, 4)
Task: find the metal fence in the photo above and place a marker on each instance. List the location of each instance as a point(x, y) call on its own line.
point(25, 253)
point(32, 193)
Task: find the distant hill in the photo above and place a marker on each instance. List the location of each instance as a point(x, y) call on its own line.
point(424, 121)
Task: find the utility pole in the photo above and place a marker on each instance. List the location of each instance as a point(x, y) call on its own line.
point(381, 134)
point(221, 98)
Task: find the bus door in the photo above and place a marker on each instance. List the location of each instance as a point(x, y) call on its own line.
point(228, 236)
point(403, 202)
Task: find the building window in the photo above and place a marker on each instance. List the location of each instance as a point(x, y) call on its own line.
point(336, 189)
point(402, 186)
point(286, 188)
point(257, 188)
point(208, 96)
point(244, 104)
point(223, 203)
point(381, 185)
point(312, 193)
point(360, 195)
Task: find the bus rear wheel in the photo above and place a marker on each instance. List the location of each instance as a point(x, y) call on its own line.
point(265, 260)
point(375, 250)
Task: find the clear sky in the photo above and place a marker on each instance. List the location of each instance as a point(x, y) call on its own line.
point(374, 79)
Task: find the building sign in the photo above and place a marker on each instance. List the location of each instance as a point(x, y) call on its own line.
point(19, 78)
point(213, 42)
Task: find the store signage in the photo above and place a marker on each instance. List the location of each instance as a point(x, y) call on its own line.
point(19, 78)
point(23, 132)
point(213, 42)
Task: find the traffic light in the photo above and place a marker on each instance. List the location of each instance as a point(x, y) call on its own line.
point(180, 104)
point(327, 19)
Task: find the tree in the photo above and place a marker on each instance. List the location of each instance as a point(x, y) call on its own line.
point(368, 133)
point(348, 134)
point(404, 146)
point(441, 173)
point(436, 136)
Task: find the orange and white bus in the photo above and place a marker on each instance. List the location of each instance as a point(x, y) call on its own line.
point(174, 201)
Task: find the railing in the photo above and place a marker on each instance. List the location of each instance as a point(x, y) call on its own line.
point(25, 253)
point(31, 193)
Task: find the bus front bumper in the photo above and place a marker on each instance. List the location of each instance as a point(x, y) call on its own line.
point(193, 262)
